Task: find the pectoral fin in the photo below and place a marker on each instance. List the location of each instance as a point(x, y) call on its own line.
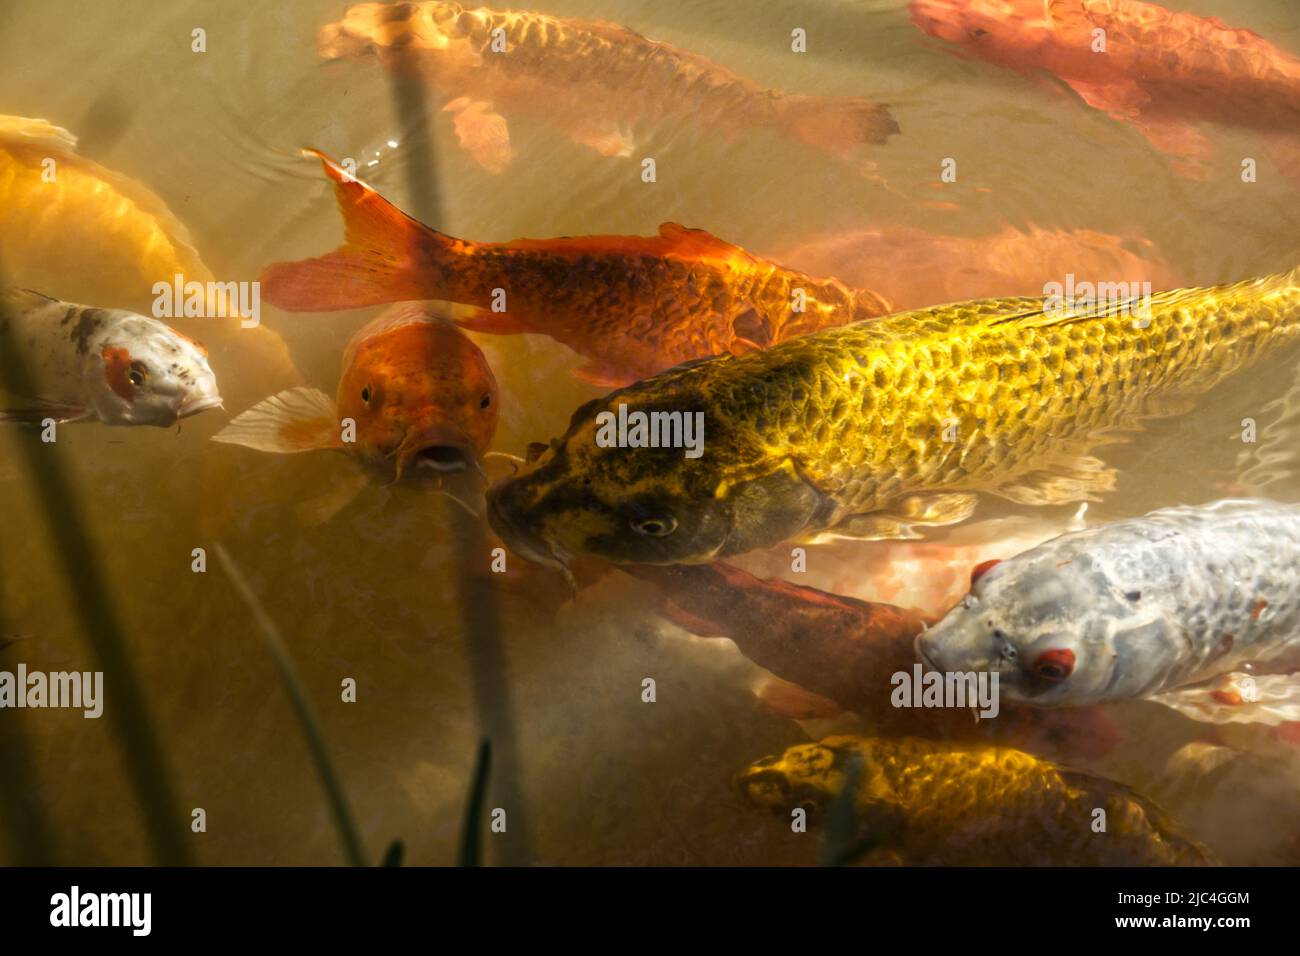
point(316, 511)
point(902, 517)
point(37, 416)
point(598, 375)
point(1120, 98)
point(490, 323)
point(607, 140)
point(1125, 100)
point(691, 623)
point(295, 420)
point(1064, 480)
point(791, 700)
point(482, 132)
point(1271, 699)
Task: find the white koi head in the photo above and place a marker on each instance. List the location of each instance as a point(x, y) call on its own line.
point(142, 372)
point(1058, 630)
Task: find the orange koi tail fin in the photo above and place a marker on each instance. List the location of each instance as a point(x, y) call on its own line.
point(837, 124)
point(380, 260)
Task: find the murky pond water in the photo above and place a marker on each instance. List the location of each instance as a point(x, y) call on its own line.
point(391, 586)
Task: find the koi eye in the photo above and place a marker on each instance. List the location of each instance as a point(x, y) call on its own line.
point(1054, 665)
point(138, 374)
point(485, 401)
point(655, 527)
point(365, 394)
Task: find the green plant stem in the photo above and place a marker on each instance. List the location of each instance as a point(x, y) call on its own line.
point(348, 836)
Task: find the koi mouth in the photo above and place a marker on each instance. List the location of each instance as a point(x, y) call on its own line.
point(443, 449)
point(193, 406)
point(445, 458)
point(525, 543)
point(923, 655)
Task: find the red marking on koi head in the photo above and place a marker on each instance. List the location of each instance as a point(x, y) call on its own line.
point(117, 371)
point(983, 568)
point(1258, 609)
point(1229, 698)
point(1054, 665)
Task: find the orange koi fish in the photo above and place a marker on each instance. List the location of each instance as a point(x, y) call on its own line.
point(914, 269)
point(595, 81)
point(1160, 71)
point(630, 305)
point(416, 389)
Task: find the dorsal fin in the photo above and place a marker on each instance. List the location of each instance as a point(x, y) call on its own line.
point(16, 293)
point(699, 242)
point(673, 239)
point(37, 132)
point(1039, 318)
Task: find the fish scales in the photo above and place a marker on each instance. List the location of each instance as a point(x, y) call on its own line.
point(1164, 72)
point(1134, 608)
point(629, 296)
point(878, 418)
point(596, 81)
point(1229, 573)
point(576, 50)
point(630, 305)
point(1010, 388)
point(926, 802)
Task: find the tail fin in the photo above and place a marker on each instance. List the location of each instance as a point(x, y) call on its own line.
point(837, 124)
point(379, 261)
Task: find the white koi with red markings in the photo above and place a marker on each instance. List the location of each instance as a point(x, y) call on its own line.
point(1196, 607)
point(83, 363)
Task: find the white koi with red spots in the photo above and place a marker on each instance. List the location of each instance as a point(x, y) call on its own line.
point(82, 363)
point(1197, 607)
